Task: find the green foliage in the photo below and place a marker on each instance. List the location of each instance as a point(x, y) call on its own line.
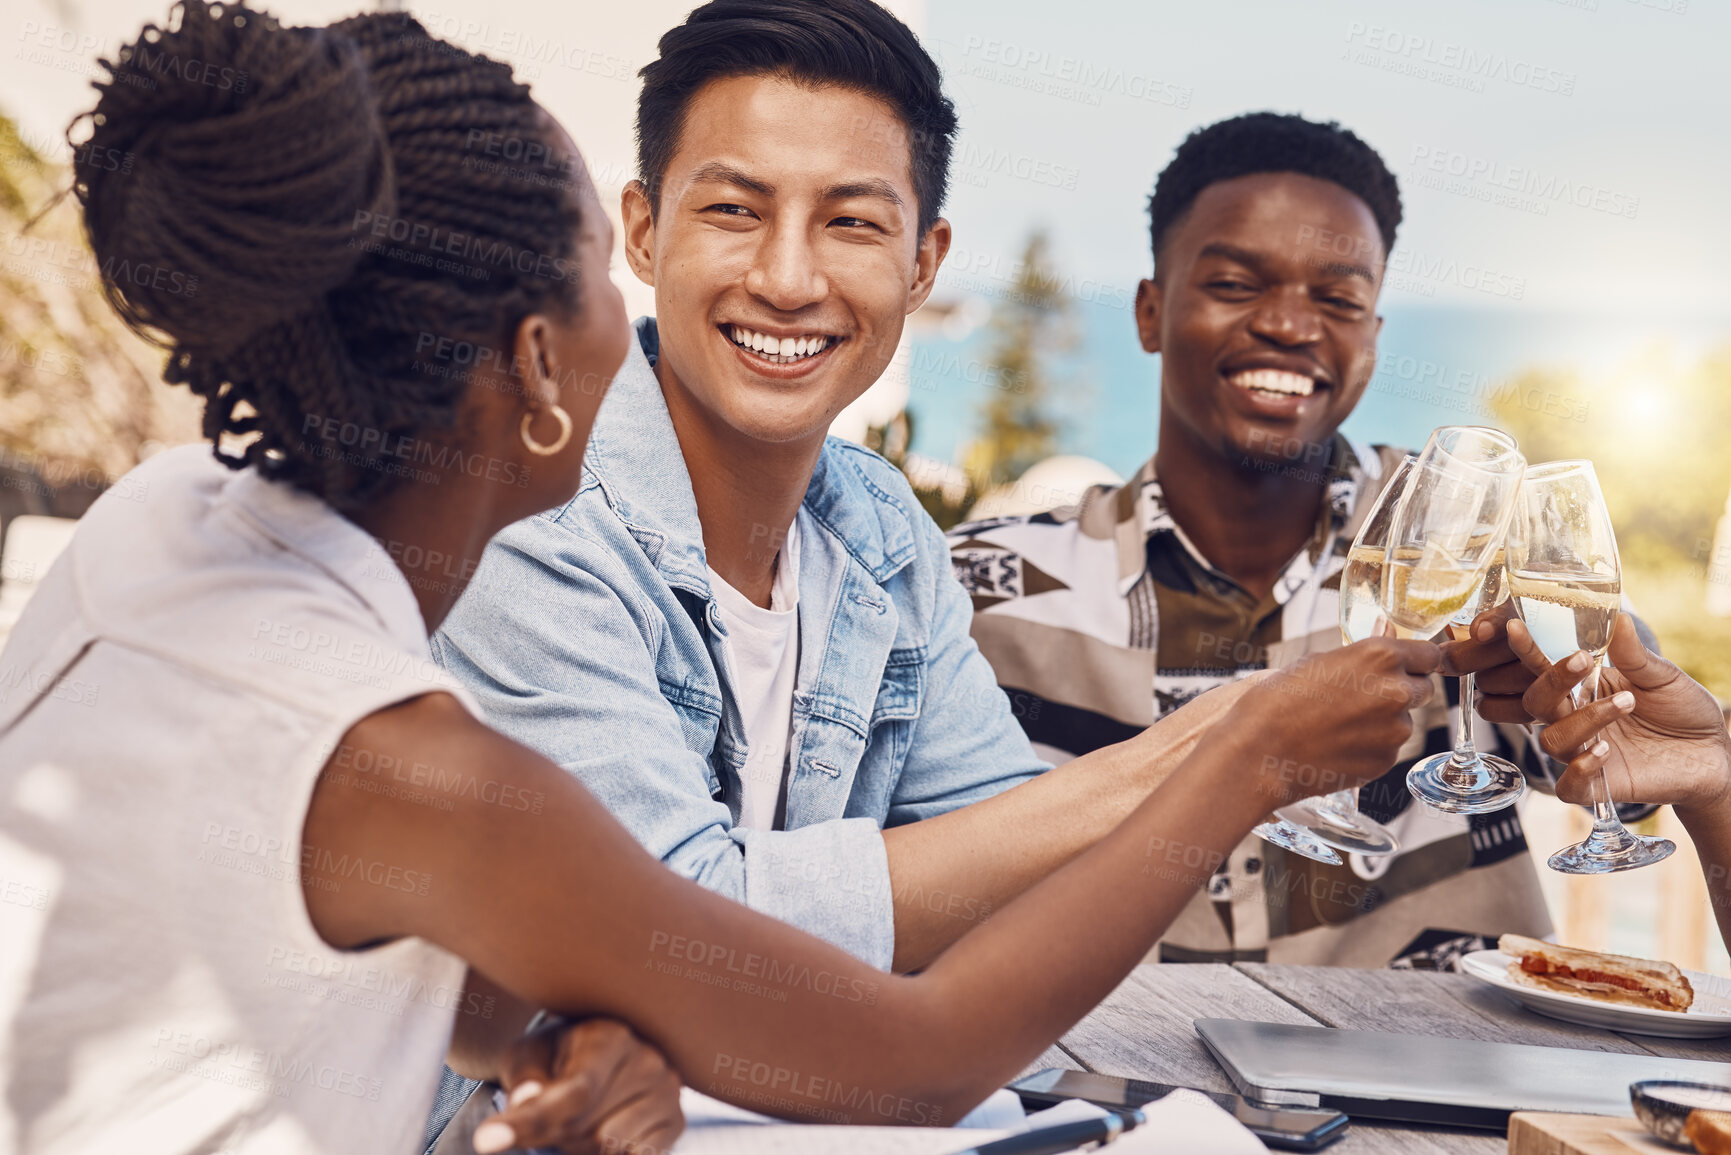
point(21, 170)
point(1669, 600)
point(79, 393)
point(1029, 324)
point(1656, 432)
point(892, 441)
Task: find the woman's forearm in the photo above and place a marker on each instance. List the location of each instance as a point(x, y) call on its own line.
point(997, 848)
point(936, 1044)
point(562, 908)
point(1004, 992)
point(565, 911)
point(489, 1019)
point(1709, 827)
point(944, 1039)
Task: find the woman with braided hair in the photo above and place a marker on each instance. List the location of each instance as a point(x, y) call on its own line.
point(308, 231)
point(267, 852)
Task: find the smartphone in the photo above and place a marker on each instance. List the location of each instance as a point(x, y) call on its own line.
point(1287, 1128)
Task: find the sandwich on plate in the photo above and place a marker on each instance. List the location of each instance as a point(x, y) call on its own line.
point(1610, 978)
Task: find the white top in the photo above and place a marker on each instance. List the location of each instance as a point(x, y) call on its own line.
point(763, 647)
point(166, 703)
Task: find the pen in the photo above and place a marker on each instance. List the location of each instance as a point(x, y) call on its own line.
point(1063, 1137)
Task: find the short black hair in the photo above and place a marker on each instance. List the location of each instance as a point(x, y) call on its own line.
point(853, 44)
point(1274, 142)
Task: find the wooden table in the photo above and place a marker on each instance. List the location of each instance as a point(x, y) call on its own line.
point(1144, 1030)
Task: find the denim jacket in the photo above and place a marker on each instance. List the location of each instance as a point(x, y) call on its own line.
point(590, 634)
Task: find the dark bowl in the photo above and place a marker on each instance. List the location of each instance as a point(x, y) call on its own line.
point(1663, 1106)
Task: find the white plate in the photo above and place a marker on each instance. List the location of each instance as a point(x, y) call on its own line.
point(1709, 1016)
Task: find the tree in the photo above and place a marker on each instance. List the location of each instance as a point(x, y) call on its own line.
point(1029, 324)
point(1656, 433)
point(81, 397)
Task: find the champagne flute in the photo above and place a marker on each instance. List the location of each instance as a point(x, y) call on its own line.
point(1334, 819)
point(1446, 565)
point(1567, 585)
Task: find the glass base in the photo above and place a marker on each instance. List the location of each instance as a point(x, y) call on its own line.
point(1477, 787)
point(1610, 849)
point(1350, 832)
point(1298, 840)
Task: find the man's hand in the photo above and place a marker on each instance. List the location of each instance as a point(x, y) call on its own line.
point(1336, 720)
point(1502, 678)
point(1657, 733)
point(586, 1088)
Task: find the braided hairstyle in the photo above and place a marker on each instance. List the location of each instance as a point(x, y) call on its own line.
point(309, 209)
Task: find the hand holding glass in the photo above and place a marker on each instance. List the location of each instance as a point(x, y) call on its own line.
point(1446, 566)
point(1333, 820)
point(1567, 585)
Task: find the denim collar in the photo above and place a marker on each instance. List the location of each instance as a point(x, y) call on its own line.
point(634, 458)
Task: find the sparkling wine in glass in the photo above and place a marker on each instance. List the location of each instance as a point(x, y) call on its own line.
point(1334, 819)
point(1567, 585)
point(1447, 564)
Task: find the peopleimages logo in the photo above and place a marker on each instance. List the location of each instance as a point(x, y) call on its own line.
point(1420, 272)
point(371, 229)
point(36, 683)
point(813, 1096)
point(1449, 62)
point(977, 163)
point(254, 1068)
point(362, 654)
point(527, 47)
point(756, 966)
point(1523, 180)
point(394, 988)
point(269, 856)
point(369, 442)
point(1064, 77)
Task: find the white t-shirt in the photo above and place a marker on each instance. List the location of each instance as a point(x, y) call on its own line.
point(763, 647)
point(167, 701)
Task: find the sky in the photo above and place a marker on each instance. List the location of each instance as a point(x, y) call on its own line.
point(1508, 111)
point(1562, 169)
point(1562, 162)
point(1572, 153)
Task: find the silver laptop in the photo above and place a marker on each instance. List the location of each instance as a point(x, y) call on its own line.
point(1423, 1079)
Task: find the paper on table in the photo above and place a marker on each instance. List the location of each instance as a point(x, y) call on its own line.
point(1002, 1110)
point(716, 1128)
point(1189, 1122)
point(1182, 1121)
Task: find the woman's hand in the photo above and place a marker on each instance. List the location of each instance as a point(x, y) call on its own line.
point(1657, 733)
point(585, 1088)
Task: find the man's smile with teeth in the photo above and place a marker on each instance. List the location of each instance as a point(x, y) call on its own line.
point(1274, 381)
point(781, 350)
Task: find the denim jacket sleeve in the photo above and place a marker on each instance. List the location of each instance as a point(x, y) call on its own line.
point(967, 745)
point(558, 642)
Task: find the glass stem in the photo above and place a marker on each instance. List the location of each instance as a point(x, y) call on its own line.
point(1458, 770)
point(1343, 803)
point(1605, 820)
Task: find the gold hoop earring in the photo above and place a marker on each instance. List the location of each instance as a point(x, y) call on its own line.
point(558, 443)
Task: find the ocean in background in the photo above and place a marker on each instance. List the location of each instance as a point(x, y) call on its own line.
point(1435, 366)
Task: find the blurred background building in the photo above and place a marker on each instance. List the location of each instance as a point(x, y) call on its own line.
point(1562, 272)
